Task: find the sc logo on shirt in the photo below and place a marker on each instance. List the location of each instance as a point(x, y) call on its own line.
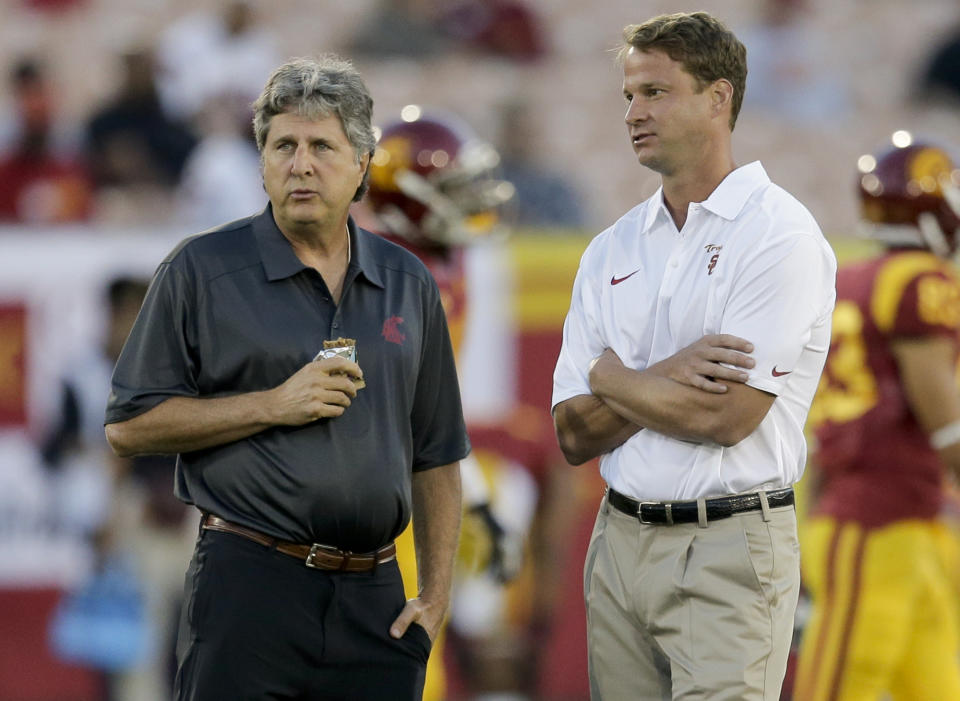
point(710, 248)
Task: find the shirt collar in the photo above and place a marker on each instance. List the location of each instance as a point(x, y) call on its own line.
point(655, 206)
point(725, 201)
point(279, 260)
point(362, 256)
point(734, 190)
point(276, 253)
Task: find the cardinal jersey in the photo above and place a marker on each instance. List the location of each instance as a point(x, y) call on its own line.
point(875, 460)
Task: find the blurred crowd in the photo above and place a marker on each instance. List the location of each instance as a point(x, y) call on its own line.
point(136, 114)
point(169, 147)
point(173, 142)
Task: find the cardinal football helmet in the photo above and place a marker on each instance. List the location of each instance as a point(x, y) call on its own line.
point(432, 181)
point(910, 196)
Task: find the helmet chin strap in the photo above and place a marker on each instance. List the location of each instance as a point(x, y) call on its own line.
point(443, 223)
point(398, 223)
point(951, 193)
point(933, 235)
point(927, 234)
point(891, 234)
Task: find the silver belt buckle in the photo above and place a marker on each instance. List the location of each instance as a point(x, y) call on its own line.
point(640, 511)
point(314, 549)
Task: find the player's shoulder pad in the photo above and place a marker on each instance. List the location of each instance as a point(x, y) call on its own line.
point(914, 289)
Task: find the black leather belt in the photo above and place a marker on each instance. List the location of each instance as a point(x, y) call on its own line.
point(686, 511)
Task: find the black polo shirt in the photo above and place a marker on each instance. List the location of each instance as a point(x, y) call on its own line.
point(234, 310)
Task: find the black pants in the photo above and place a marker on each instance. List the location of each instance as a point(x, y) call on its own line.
point(258, 624)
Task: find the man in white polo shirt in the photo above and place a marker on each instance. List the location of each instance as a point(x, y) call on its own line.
point(692, 574)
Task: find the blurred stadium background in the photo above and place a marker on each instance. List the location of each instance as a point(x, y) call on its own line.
point(123, 128)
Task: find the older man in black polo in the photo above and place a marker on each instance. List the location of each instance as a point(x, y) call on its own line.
point(303, 478)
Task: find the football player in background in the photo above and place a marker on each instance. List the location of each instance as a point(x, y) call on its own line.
point(887, 425)
point(434, 190)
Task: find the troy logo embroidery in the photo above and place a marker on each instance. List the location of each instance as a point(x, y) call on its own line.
point(391, 330)
point(710, 248)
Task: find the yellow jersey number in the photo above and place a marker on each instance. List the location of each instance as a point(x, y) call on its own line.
point(848, 389)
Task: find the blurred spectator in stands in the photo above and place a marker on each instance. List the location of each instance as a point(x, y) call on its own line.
point(788, 75)
point(204, 55)
point(76, 450)
point(136, 151)
point(38, 183)
point(131, 141)
point(123, 506)
point(941, 75)
point(545, 197)
point(33, 98)
point(221, 181)
point(401, 29)
point(507, 29)
point(425, 28)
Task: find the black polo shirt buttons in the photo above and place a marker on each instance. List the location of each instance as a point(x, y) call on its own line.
point(336, 324)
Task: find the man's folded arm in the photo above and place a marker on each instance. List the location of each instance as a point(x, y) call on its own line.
point(697, 394)
point(587, 427)
point(652, 399)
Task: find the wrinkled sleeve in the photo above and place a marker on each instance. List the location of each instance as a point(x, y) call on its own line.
point(158, 360)
point(582, 341)
point(787, 290)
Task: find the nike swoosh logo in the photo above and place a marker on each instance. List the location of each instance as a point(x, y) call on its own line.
point(777, 373)
point(617, 280)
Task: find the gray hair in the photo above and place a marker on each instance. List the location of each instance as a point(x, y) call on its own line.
point(316, 88)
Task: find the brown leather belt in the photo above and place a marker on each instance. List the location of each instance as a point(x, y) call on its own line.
point(321, 557)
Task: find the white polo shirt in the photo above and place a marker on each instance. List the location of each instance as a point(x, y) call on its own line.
point(749, 261)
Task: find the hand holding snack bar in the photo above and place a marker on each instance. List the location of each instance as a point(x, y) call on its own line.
point(342, 348)
point(321, 389)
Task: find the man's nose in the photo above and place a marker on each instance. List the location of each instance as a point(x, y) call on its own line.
point(301, 164)
point(635, 112)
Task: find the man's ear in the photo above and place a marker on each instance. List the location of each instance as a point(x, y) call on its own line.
point(364, 165)
point(721, 96)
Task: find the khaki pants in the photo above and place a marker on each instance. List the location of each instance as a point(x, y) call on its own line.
point(682, 612)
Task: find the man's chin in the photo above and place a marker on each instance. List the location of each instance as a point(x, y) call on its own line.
point(299, 217)
point(303, 211)
point(654, 162)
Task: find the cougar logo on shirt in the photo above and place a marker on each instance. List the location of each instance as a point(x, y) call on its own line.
point(391, 330)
